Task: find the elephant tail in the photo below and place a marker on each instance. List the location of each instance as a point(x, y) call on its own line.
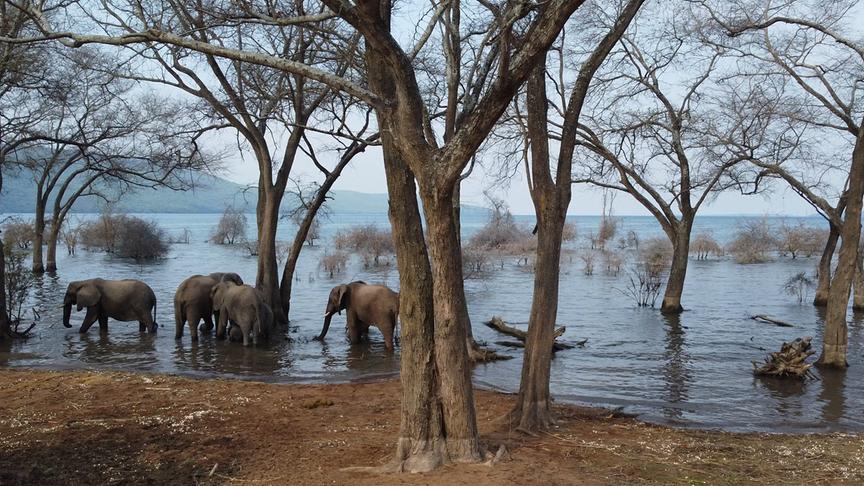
point(154, 313)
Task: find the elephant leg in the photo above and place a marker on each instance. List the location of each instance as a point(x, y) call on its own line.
point(89, 319)
point(145, 323)
point(387, 331)
point(354, 330)
point(208, 323)
point(179, 322)
point(103, 323)
point(141, 326)
point(222, 325)
point(247, 334)
point(193, 318)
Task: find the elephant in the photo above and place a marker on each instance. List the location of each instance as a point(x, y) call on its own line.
point(365, 305)
point(192, 302)
point(122, 300)
point(244, 307)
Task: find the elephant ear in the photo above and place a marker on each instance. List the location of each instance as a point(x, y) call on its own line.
point(343, 295)
point(88, 296)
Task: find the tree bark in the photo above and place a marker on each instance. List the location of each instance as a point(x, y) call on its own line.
point(51, 246)
point(38, 236)
point(678, 271)
point(5, 324)
point(835, 337)
point(824, 284)
point(267, 277)
point(858, 285)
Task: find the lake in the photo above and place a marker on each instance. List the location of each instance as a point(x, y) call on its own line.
point(692, 370)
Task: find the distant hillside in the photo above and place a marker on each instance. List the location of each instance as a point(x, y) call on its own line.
point(210, 195)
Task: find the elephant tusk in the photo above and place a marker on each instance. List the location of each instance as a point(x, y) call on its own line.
point(328, 314)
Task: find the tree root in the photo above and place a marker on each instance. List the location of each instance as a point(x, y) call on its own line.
point(788, 362)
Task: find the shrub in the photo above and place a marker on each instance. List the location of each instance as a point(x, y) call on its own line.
point(612, 262)
point(102, 233)
point(70, 235)
point(569, 233)
point(753, 242)
point(475, 262)
point(655, 255)
point(606, 232)
point(182, 238)
point(334, 263)
point(18, 234)
point(231, 228)
point(141, 240)
point(630, 240)
point(800, 239)
point(704, 244)
point(798, 284)
point(588, 258)
point(643, 285)
point(369, 241)
point(19, 280)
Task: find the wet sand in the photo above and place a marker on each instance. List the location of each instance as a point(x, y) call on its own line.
point(75, 427)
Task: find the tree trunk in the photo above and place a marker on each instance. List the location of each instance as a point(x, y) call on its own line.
point(5, 325)
point(835, 334)
point(51, 244)
point(824, 284)
point(678, 271)
point(858, 285)
point(451, 324)
point(533, 411)
point(267, 278)
point(38, 235)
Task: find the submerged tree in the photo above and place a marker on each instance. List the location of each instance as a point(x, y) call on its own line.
point(665, 138)
point(811, 51)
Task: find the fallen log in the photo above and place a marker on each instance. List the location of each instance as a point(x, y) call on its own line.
point(789, 362)
point(770, 320)
point(499, 325)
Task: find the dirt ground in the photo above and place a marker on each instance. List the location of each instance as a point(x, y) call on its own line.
point(117, 428)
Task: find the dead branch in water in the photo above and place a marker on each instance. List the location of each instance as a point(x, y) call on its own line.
point(499, 325)
point(770, 320)
point(788, 362)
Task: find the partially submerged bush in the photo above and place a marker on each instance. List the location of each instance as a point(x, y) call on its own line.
point(797, 285)
point(124, 236)
point(606, 232)
point(588, 258)
point(569, 232)
point(655, 255)
point(334, 263)
point(18, 233)
point(70, 234)
point(753, 242)
point(643, 285)
point(231, 228)
point(369, 241)
point(800, 239)
point(704, 245)
point(141, 240)
point(612, 262)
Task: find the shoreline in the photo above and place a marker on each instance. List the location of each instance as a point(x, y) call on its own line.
point(84, 427)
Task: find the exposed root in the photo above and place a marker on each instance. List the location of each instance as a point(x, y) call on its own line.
point(788, 362)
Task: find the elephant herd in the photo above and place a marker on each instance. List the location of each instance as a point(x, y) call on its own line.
point(239, 310)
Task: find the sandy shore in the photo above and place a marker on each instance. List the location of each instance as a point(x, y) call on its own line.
point(113, 428)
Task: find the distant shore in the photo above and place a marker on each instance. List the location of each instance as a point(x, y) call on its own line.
point(75, 427)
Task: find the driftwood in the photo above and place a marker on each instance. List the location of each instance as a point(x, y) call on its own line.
point(788, 362)
point(770, 320)
point(499, 325)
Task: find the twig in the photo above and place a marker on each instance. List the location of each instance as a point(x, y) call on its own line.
point(770, 320)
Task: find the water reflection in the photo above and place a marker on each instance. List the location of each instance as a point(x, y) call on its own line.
point(676, 366)
point(785, 393)
point(833, 394)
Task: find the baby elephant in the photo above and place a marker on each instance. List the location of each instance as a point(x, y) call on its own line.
point(122, 300)
point(192, 302)
point(244, 307)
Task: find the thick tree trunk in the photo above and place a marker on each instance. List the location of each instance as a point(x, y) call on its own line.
point(533, 411)
point(38, 235)
point(824, 284)
point(678, 270)
point(51, 246)
point(5, 324)
point(267, 278)
point(451, 324)
point(835, 337)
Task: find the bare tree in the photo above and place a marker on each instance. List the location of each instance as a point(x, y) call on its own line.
point(664, 137)
point(438, 417)
point(811, 50)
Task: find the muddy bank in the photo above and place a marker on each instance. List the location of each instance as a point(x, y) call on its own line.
point(111, 428)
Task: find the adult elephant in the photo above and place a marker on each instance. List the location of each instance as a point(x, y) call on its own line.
point(121, 300)
point(192, 302)
point(365, 305)
point(245, 308)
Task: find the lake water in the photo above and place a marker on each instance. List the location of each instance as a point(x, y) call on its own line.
point(693, 370)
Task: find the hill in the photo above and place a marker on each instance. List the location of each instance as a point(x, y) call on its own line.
point(210, 194)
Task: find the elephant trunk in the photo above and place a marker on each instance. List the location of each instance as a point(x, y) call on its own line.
point(67, 313)
point(327, 317)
